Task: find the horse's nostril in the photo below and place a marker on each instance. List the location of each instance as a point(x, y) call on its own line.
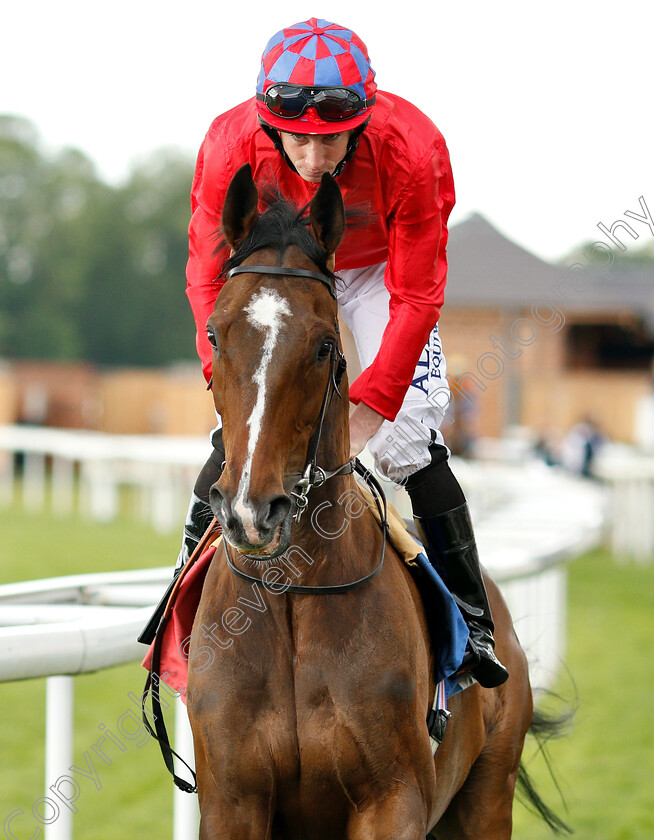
point(216, 500)
point(272, 513)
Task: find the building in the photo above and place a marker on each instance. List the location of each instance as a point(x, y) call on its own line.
point(527, 343)
point(541, 345)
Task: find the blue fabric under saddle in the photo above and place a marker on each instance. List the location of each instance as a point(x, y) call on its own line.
point(446, 623)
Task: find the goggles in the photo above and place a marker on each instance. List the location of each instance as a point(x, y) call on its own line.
point(332, 103)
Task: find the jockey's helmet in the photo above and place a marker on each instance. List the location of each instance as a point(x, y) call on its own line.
point(315, 78)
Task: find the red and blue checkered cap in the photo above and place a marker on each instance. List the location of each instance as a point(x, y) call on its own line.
point(316, 52)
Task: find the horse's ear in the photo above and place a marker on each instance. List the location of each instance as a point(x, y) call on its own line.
point(240, 213)
point(327, 214)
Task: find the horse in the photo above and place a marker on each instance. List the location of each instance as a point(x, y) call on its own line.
point(310, 723)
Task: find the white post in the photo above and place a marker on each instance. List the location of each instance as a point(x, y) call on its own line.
point(33, 481)
point(164, 511)
point(58, 758)
point(63, 486)
point(102, 488)
point(186, 813)
point(6, 478)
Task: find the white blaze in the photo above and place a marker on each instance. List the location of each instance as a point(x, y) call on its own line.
point(264, 312)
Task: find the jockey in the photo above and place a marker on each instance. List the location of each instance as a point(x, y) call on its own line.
point(317, 109)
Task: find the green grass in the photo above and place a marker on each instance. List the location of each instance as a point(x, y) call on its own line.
point(605, 766)
point(135, 798)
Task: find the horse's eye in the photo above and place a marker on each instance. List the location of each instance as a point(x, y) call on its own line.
point(325, 349)
point(213, 340)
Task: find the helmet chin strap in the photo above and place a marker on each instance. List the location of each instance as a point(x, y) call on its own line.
point(276, 138)
point(351, 147)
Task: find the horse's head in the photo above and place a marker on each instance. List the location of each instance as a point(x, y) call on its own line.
point(274, 337)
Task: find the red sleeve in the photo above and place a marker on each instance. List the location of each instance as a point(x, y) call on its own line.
point(415, 277)
point(204, 265)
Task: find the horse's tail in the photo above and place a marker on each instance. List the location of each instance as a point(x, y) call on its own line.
point(543, 727)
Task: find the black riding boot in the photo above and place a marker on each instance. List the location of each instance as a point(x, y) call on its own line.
point(449, 542)
point(198, 519)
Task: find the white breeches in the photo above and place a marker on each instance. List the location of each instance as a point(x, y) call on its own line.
point(399, 448)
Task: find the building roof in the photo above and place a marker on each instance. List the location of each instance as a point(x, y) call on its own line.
point(486, 269)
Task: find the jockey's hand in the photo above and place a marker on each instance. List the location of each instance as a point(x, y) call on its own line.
point(364, 423)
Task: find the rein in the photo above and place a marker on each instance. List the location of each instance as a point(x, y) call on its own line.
point(380, 500)
point(315, 476)
point(152, 684)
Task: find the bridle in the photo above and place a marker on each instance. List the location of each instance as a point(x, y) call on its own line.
point(315, 475)
point(284, 271)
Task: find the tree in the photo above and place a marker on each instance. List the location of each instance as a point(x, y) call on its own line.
point(88, 271)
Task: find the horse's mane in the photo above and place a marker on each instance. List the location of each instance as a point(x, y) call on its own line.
point(281, 225)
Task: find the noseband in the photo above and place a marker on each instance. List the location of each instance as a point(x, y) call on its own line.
point(314, 475)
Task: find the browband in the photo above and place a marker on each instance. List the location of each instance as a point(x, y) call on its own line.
point(283, 271)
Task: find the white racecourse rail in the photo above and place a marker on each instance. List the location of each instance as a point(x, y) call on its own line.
point(529, 521)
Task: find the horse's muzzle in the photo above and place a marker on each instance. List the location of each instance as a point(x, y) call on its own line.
point(260, 529)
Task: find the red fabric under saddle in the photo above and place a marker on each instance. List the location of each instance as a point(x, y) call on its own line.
point(174, 648)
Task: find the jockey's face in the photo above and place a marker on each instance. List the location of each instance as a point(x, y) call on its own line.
point(314, 154)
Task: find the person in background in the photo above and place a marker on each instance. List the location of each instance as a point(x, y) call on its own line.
point(580, 446)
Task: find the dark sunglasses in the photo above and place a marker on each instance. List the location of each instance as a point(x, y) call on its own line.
point(332, 103)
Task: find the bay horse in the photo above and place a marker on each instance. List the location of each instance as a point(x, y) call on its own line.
point(310, 723)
